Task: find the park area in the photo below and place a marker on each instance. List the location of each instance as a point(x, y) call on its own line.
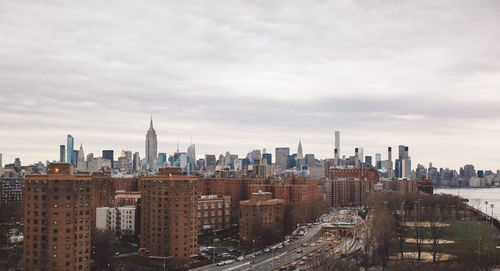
point(438, 232)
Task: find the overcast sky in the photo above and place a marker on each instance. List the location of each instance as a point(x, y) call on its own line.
point(243, 75)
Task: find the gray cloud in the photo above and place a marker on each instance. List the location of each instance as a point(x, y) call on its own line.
point(241, 75)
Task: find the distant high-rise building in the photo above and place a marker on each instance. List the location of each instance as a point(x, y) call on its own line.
point(336, 161)
point(109, 155)
point(62, 154)
point(151, 145)
point(191, 156)
point(162, 158)
point(130, 157)
point(337, 141)
point(368, 160)
point(356, 158)
point(281, 156)
point(74, 158)
point(469, 171)
point(210, 162)
point(299, 151)
point(389, 162)
point(378, 159)
point(268, 157)
point(82, 165)
point(136, 163)
point(1, 160)
point(254, 156)
point(70, 142)
point(361, 153)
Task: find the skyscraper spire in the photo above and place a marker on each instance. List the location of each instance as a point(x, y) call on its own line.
point(151, 123)
point(151, 145)
point(299, 150)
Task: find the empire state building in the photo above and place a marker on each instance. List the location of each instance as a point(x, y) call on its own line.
point(151, 146)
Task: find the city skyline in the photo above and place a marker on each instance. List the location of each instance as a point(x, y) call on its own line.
point(384, 74)
point(243, 154)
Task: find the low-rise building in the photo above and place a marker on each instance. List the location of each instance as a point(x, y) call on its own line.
point(214, 213)
point(120, 220)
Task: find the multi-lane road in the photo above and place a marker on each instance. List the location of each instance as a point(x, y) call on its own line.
point(295, 250)
point(266, 257)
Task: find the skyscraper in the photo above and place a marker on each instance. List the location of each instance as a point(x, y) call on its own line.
point(70, 142)
point(109, 155)
point(62, 154)
point(191, 156)
point(337, 141)
point(378, 159)
point(162, 158)
point(0, 160)
point(268, 157)
point(82, 166)
point(136, 164)
point(151, 146)
point(281, 157)
point(299, 151)
point(389, 162)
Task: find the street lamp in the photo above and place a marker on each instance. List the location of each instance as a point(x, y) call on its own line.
point(492, 205)
point(486, 203)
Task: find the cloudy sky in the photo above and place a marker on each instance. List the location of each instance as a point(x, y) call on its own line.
point(243, 75)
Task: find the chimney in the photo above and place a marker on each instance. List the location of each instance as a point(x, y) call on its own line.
point(389, 162)
point(356, 158)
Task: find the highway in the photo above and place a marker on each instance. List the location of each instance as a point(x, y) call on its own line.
point(294, 251)
point(264, 258)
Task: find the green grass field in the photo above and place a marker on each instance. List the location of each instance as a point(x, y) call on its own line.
point(467, 248)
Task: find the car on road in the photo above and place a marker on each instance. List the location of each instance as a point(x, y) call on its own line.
point(240, 258)
point(305, 244)
point(313, 245)
point(318, 251)
point(229, 261)
point(280, 246)
point(221, 263)
point(320, 241)
point(302, 262)
point(284, 267)
point(304, 258)
point(257, 253)
point(266, 249)
point(299, 250)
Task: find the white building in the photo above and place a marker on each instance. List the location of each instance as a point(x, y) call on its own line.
point(116, 219)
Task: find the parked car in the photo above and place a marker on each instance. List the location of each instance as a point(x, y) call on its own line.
point(221, 263)
point(240, 258)
point(266, 249)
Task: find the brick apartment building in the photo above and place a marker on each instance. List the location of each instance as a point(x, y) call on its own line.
point(169, 217)
point(370, 175)
point(214, 213)
point(57, 220)
point(261, 210)
point(11, 185)
point(345, 192)
point(236, 188)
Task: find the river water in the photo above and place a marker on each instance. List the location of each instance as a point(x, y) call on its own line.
point(477, 197)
